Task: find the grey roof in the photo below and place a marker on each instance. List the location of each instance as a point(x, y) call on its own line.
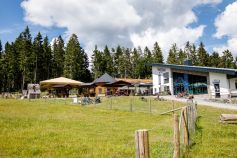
point(198, 68)
point(106, 78)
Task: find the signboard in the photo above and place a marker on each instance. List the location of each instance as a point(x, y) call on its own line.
point(215, 81)
point(161, 69)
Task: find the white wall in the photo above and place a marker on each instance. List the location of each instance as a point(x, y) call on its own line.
point(232, 83)
point(224, 84)
point(155, 78)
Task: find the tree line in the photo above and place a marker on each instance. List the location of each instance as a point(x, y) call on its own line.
point(31, 60)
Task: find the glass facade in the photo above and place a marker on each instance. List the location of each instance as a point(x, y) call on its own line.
point(191, 84)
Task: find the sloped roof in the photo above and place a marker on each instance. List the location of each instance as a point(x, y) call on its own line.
point(60, 81)
point(106, 78)
point(198, 68)
point(132, 81)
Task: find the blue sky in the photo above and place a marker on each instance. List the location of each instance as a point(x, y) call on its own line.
point(137, 27)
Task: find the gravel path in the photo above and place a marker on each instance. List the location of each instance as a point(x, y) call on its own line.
point(204, 102)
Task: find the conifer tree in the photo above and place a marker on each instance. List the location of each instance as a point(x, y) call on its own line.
point(135, 61)
point(214, 60)
point(202, 55)
point(172, 57)
point(117, 60)
point(13, 74)
point(227, 60)
point(147, 60)
point(23, 46)
point(47, 59)
point(157, 54)
point(181, 57)
point(193, 55)
point(38, 58)
point(97, 59)
point(107, 61)
point(76, 61)
point(58, 57)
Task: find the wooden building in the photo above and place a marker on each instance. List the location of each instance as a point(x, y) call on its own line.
point(102, 86)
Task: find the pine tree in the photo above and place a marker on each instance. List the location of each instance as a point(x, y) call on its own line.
point(202, 55)
point(117, 60)
point(27, 61)
point(76, 61)
point(126, 65)
point(227, 60)
point(97, 60)
point(58, 57)
point(48, 59)
point(147, 60)
point(135, 61)
point(172, 57)
point(38, 58)
point(181, 57)
point(214, 60)
point(193, 55)
point(11, 59)
point(157, 54)
point(188, 50)
point(107, 61)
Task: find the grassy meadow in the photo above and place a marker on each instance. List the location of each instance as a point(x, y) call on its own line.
point(58, 128)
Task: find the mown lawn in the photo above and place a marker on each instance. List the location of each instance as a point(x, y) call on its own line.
point(60, 129)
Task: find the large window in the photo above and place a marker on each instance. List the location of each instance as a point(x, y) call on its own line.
point(166, 77)
point(192, 84)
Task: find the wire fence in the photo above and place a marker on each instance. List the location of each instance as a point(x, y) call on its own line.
point(147, 104)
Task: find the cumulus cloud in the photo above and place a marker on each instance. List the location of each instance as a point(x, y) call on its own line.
point(226, 25)
point(125, 22)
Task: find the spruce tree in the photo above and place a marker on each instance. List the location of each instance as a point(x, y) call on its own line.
point(214, 60)
point(181, 57)
point(38, 58)
point(58, 57)
point(23, 46)
point(76, 61)
point(193, 55)
point(135, 61)
point(48, 59)
point(97, 60)
point(157, 54)
point(147, 60)
point(107, 61)
point(172, 57)
point(202, 55)
point(13, 73)
point(117, 60)
point(227, 60)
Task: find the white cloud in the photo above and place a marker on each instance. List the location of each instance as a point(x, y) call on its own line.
point(226, 22)
point(125, 22)
point(231, 46)
point(226, 26)
point(176, 35)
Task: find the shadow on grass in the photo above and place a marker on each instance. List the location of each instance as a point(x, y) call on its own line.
point(196, 138)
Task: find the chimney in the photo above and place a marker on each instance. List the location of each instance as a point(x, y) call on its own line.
point(188, 62)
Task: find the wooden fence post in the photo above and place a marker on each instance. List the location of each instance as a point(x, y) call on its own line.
point(130, 104)
point(142, 143)
point(176, 137)
point(185, 125)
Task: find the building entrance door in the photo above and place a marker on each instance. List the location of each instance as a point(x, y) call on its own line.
point(217, 90)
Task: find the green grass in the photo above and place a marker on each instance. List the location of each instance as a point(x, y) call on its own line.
point(57, 128)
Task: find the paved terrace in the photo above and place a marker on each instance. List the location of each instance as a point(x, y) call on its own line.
point(202, 101)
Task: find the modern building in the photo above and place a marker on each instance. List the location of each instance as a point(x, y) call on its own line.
point(175, 79)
